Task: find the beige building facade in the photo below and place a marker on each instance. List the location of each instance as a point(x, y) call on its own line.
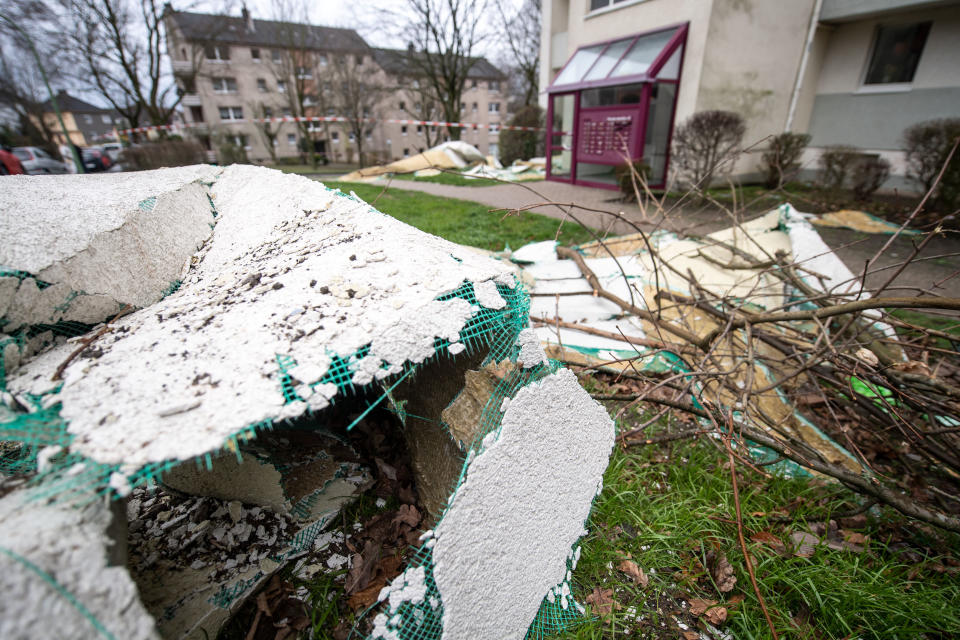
point(234, 71)
point(806, 66)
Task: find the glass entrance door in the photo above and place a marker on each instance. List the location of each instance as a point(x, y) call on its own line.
point(561, 124)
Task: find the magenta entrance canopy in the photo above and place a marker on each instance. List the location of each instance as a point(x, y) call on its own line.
point(636, 58)
point(614, 102)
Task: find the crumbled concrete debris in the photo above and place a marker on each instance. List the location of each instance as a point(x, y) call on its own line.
point(300, 472)
point(464, 415)
point(220, 326)
point(98, 244)
point(70, 547)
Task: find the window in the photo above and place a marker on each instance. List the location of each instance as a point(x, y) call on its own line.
point(463, 107)
point(281, 86)
point(239, 141)
point(896, 53)
point(287, 112)
point(261, 85)
point(416, 107)
point(369, 136)
point(277, 56)
point(335, 137)
point(493, 107)
point(402, 106)
point(217, 52)
point(366, 112)
point(309, 100)
point(327, 87)
point(403, 130)
point(473, 84)
point(88, 119)
point(603, 4)
point(105, 119)
point(331, 112)
point(359, 59)
point(224, 85)
point(255, 54)
point(231, 113)
point(350, 137)
point(322, 59)
point(473, 107)
point(494, 85)
point(406, 153)
point(419, 129)
point(267, 112)
point(292, 139)
point(304, 73)
point(494, 128)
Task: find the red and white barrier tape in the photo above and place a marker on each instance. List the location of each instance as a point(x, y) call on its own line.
point(432, 123)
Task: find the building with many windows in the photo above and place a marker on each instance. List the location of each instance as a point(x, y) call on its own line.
point(86, 124)
point(620, 74)
point(233, 71)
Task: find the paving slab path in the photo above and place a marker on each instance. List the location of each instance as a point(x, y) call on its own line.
point(936, 271)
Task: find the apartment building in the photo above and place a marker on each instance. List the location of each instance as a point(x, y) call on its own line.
point(233, 70)
point(86, 124)
point(621, 73)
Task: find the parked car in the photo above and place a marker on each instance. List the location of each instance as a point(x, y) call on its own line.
point(95, 160)
point(10, 164)
point(36, 161)
point(113, 150)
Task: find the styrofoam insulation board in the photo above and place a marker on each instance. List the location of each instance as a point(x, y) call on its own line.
point(119, 241)
point(71, 547)
point(503, 542)
point(292, 268)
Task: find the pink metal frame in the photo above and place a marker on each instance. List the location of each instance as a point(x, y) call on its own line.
point(647, 79)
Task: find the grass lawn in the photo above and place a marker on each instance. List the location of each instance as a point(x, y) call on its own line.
point(669, 508)
point(464, 222)
point(455, 179)
point(333, 167)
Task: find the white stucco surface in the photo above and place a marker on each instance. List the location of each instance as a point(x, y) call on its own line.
point(291, 268)
point(503, 543)
point(70, 546)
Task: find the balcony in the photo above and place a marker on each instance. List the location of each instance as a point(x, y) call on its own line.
point(849, 10)
point(191, 100)
point(182, 65)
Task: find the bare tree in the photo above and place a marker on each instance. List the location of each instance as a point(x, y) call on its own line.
point(21, 83)
point(357, 90)
point(425, 107)
point(294, 66)
point(268, 130)
point(521, 33)
point(444, 35)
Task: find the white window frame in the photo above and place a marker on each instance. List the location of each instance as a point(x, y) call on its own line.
point(262, 85)
point(218, 50)
point(235, 113)
point(493, 107)
point(291, 139)
point(888, 87)
point(255, 58)
point(221, 85)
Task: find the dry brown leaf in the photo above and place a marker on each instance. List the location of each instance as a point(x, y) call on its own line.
point(698, 605)
point(854, 537)
point(765, 537)
point(716, 615)
point(804, 543)
point(363, 568)
point(735, 599)
point(366, 596)
point(601, 600)
point(407, 514)
point(691, 635)
point(723, 574)
point(630, 568)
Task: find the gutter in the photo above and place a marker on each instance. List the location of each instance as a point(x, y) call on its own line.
point(798, 82)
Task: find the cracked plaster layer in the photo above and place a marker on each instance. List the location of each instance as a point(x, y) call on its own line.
point(71, 546)
point(520, 510)
point(292, 268)
point(99, 243)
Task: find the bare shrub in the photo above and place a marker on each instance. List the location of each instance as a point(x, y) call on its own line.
point(166, 153)
point(927, 145)
point(631, 176)
point(836, 165)
point(706, 144)
point(868, 175)
point(522, 145)
point(781, 159)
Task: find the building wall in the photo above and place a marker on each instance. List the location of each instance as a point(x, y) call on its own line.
point(874, 117)
point(385, 143)
point(737, 77)
point(76, 136)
